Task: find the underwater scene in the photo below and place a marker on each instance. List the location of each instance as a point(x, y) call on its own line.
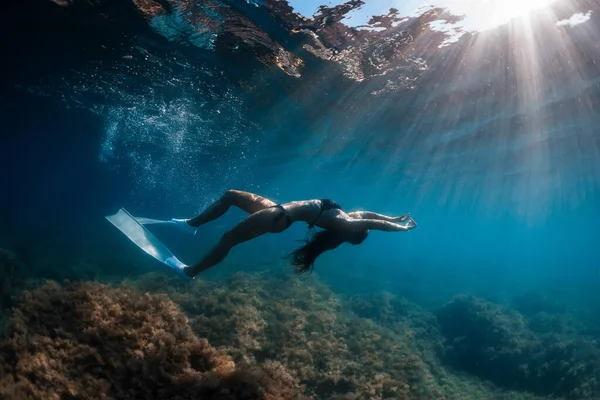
point(300, 199)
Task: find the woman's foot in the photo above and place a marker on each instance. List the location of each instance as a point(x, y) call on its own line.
point(178, 266)
point(189, 272)
point(184, 225)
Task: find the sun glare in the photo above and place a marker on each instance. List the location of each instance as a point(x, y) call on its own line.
point(481, 15)
point(486, 14)
point(505, 10)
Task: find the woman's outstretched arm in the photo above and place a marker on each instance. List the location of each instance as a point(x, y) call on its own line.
point(381, 217)
point(345, 222)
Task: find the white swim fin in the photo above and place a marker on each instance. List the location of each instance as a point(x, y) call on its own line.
point(183, 225)
point(179, 223)
point(133, 228)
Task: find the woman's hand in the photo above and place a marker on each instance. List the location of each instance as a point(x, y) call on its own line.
point(402, 218)
point(411, 224)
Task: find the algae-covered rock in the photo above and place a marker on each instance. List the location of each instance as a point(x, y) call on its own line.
point(497, 344)
point(300, 323)
point(91, 341)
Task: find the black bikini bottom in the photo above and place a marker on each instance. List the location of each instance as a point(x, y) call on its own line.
point(282, 214)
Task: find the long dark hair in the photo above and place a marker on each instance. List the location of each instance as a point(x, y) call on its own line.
point(303, 258)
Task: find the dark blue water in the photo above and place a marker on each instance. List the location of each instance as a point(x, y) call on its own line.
point(490, 143)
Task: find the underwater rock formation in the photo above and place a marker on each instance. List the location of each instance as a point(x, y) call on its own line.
point(342, 347)
point(274, 336)
point(485, 338)
point(301, 324)
point(91, 341)
point(496, 343)
point(546, 315)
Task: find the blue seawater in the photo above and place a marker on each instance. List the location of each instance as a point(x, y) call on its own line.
point(489, 139)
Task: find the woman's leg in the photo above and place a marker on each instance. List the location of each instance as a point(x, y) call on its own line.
point(247, 202)
point(259, 223)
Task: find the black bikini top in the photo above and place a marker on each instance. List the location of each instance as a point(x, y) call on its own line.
point(326, 204)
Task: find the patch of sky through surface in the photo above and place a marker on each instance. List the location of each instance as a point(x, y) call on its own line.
point(479, 15)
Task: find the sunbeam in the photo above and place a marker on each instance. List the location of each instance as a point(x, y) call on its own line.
point(486, 14)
